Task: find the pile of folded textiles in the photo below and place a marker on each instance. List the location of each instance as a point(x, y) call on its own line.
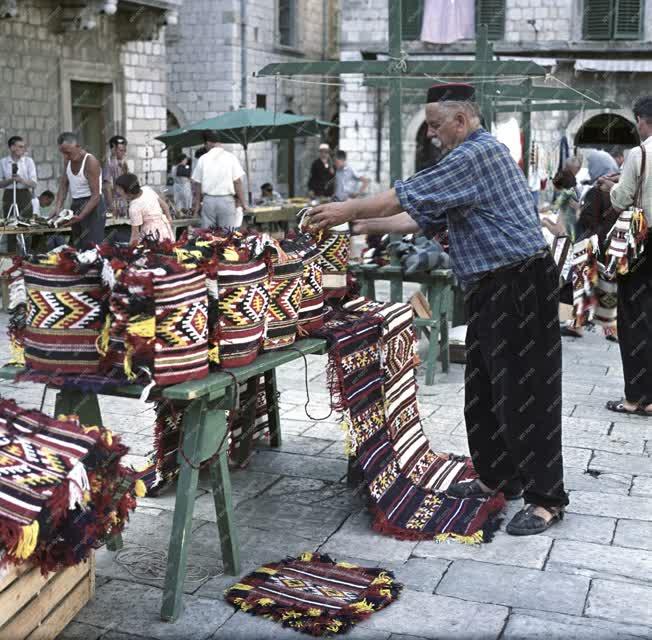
point(63, 490)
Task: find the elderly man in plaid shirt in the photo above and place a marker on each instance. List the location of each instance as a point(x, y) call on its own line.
point(498, 252)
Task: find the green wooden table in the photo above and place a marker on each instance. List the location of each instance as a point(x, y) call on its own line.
point(204, 404)
point(438, 290)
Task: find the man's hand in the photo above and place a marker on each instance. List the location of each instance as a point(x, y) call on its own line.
point(69, 223)
point(17, 178)
point(328, 215)
point(359, 228)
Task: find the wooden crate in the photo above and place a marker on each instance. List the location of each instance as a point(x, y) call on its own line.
point(38, 608)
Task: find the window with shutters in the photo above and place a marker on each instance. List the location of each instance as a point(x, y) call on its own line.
point(489, 12)
point(287, 23)
point(411, 18)
point(612, 19)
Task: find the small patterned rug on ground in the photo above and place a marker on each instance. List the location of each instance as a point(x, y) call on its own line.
point(314, 594)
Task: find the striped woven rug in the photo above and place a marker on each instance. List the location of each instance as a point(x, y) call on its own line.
point(372, 376)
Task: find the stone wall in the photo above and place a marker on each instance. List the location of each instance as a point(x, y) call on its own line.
point(205, 74)
point(38, 63)
point(557, 21)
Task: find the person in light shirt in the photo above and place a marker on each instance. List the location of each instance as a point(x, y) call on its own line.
point(635, 288)
point(19, 169)
point(218, 176)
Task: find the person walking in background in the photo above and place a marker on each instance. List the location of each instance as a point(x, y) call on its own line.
point(321, 183)
point(182, 189)
point(83, 179)
point(619, 156)
point(567, 201)
point(348, 184)
point(218, 175)
point(114, 167)
point(149, 214)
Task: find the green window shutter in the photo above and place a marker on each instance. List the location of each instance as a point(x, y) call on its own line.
point(628, 20)
point(491, 13)
point(411, 18)
point(598, 19)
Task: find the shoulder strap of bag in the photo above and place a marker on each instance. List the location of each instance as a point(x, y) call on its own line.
point(638, 194)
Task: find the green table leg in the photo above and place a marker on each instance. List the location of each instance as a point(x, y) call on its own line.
point(85, 405)
point(271, 393)
point(194, 421)
point(221, 486)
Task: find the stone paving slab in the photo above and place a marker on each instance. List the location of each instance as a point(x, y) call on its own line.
point(642, 486)
point(620, 602)
point(437, 617)
point(610, 505)
point(514, 587)
point(603, 560)
point(635, 534)
point(419, 574)
point(598, 482)
point(527, 627)
point(604, 629)
point(356, 538)
point(291, 464)
point(135, 609)
point(529, 551)
point(618, 463)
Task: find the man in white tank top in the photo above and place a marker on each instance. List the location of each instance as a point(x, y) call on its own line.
point(82, 177)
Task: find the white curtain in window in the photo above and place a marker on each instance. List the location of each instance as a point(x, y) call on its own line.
point(445, 21)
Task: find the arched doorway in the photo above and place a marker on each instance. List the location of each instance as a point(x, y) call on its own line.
point(426, 154)
point(606, 130)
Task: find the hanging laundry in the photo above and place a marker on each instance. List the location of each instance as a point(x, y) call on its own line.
point(446, 21)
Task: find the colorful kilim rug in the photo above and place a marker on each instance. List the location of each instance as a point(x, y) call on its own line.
point(314, 594)
point(335, 246)
point(311, 313)
point(626, 241)
point(372, 377)
point(64, 315)
point(286, 272)
point(62, 488)
point(158, 323)
point(584, 278)
point(242, 300)
point(606, 292)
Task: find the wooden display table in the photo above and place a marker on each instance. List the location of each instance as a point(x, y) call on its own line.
point(204, 404)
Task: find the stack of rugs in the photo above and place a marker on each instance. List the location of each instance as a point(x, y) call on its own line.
point(63, 490)
point(164, 313)
point(372, 374)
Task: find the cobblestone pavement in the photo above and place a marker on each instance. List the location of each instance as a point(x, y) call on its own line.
point(589, 577)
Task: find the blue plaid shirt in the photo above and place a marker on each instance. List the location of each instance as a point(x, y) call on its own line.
point(483, 196)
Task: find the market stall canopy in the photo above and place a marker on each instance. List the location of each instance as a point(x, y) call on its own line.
point(246, 126)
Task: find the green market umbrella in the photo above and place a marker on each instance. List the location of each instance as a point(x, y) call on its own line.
point(244, 127)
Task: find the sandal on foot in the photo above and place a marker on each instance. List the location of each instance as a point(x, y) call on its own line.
point(619, 407)
point(473, 489)
point(527, 523)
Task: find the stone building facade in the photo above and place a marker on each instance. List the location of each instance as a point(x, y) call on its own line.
point(553, 33)
point(214, 53)
point(71, 66)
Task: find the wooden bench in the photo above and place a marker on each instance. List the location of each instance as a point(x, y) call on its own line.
point(204, 404)
point(438, 290)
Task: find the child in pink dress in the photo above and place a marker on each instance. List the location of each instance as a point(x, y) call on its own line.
point(149, 214)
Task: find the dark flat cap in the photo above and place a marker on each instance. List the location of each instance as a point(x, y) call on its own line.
point(457, 91)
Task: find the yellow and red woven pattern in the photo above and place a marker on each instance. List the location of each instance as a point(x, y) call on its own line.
point(64, 317)
point(315, 594)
